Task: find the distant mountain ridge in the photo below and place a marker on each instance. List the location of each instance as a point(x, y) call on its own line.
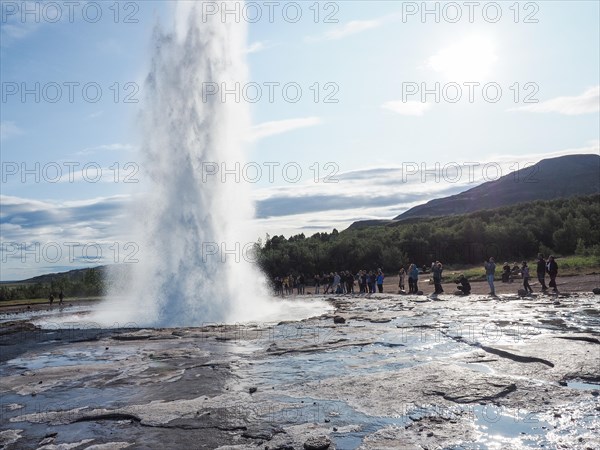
point(72, 275)
point(561, 177)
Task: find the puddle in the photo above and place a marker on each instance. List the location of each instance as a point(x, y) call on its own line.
point(583, 386)
point(336, 414)
point(72, 358)
point(478, 367)
point(52, 405)
point(502, 427)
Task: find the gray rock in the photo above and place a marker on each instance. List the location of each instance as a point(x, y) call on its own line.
point(522, 293)
point(47, 441)
point(317, 443)
point(264, 435)
point(596, 291)
point(339, 319)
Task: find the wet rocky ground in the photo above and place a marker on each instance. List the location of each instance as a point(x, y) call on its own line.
point(383, 372)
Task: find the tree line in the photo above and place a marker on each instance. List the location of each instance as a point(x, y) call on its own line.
point(88, 283)
point(517, 232)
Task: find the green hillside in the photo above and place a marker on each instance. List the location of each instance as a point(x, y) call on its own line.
point(562, 226)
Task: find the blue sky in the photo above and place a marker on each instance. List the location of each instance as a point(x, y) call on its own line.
point(363, 55)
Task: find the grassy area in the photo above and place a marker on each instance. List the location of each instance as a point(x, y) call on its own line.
point(567, 266)
point(578, 265)
point(41, 301)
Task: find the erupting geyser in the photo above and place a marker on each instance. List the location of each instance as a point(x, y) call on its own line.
point(186, 220)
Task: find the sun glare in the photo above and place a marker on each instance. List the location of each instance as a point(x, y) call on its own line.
point(470, 59)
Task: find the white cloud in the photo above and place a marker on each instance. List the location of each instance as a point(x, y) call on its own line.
point(15, 26)
point(95, 115)
point(265, 129)
point(107, 147)
point(407, 108)
point(352, 27)
point(17, 30)
point(259, 46)
point(49, 236)
point(586, 103)
point(9, 129)
point(348, 29)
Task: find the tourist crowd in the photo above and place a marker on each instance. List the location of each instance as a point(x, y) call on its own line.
point(371, 281)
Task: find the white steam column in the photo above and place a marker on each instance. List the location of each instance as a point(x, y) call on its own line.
point(192, 226)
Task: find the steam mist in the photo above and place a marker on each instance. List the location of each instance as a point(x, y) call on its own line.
point(191, 228)
point(184, 221)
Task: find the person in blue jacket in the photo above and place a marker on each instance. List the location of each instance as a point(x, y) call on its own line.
point(380, 278)
point(413, 278)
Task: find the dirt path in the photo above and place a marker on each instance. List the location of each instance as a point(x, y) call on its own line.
point(581, 283)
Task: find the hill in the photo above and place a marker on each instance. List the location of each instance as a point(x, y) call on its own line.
point(72, 276)
point(562, 177)
point(563, 226)
point(74, 283)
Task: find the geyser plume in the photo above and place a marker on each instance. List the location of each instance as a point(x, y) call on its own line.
point(185, 221)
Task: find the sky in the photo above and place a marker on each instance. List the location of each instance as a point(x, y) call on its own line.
point(360, 110)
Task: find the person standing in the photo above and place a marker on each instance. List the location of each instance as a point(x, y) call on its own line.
point(317, 284)
point(370, 282)
point(285, 285)
point(278, 286)
point(505, 272)
point(380, 278)
point(373, 286)
point(413, 274)
point(301, 282)
point(552, 268)
point(541, 272)
point(363, 282)
point(336, 288)
point(328, 281)
point(401, 275)
point(490, 271)
point(436, 270)
point(525, 275)
point(349, 282)
point(61, 297)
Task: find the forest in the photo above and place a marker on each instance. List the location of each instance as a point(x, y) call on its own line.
point(517, 232)
point(81, 283)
